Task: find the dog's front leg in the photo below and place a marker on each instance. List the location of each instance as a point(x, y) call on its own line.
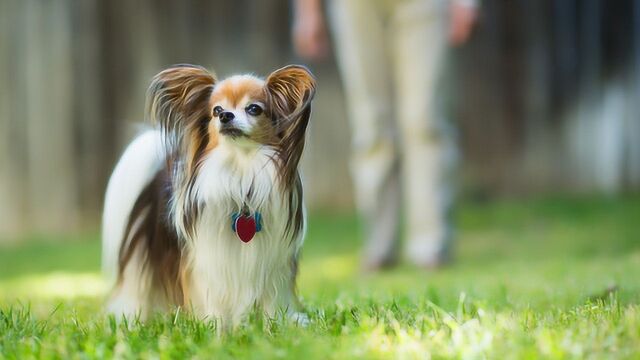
point(285, 303)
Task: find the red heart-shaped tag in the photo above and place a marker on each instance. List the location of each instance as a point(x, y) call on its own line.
point(245, 228)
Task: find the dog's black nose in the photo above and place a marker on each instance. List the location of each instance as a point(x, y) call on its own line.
point(226, 116)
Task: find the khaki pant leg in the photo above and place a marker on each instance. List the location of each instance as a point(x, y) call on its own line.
point(425, 145)
point(361, 44)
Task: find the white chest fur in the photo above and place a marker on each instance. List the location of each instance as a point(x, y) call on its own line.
point(229, 277)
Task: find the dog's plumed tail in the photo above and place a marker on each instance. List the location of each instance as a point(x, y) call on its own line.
point(137, 167)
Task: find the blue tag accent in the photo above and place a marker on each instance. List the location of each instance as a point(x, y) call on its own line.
point(234, 217)
point(257, 216)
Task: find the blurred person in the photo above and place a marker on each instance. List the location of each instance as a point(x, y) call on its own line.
point(391, 54)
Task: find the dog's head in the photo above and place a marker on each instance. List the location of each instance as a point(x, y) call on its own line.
point(199, 113)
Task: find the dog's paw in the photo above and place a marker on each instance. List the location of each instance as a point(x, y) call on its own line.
point(300, 319)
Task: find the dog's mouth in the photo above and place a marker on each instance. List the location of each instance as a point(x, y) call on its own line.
point(232, 132)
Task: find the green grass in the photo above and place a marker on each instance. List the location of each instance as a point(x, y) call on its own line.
point(551, 278)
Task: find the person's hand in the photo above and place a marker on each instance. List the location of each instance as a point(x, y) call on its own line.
point(463, 18)
point(309, 33)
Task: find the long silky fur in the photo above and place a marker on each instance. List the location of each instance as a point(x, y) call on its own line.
point(177, 101)
point(290, 106)
point(162, 221)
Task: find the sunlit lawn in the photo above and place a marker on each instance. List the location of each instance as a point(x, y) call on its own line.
point(553, 278)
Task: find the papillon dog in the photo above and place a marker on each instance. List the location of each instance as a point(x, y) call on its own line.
point(205, 210)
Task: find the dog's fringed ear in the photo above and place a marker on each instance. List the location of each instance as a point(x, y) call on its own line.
point(290, 91)
point(178, 101)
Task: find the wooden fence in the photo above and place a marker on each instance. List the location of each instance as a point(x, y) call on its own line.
point(548, 96)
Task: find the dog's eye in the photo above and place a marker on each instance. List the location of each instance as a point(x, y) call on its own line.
point(253, 109)
point(217, 110)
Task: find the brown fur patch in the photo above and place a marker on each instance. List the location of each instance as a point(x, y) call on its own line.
point(213, 138)
point(232, 92)
point(149, 231)
point(178, 100)
point(290, 91)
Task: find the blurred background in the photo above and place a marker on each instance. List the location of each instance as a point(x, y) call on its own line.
point(548, 97)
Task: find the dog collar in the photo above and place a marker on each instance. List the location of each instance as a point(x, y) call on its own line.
point(246, 224)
